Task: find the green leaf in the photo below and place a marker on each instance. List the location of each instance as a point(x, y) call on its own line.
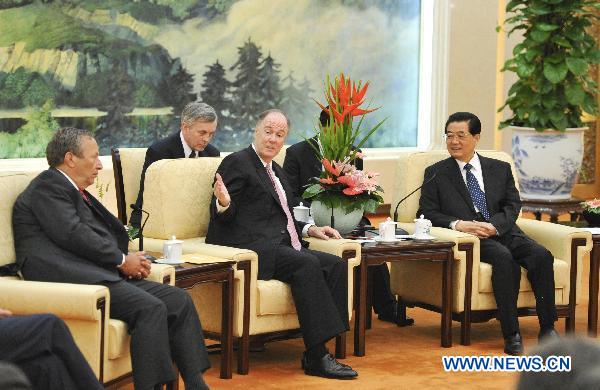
point(540, 36)
point(539, 9)
point(525, 69)
point(574, 94)
point(532, 53)
point(589, 104)
point(555, 73)
point(562, 41)
point(560, 123)
point(549, 101)
point(577, 66)
point(547, 27)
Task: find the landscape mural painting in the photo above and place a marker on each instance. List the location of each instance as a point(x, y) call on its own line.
point(125, 69)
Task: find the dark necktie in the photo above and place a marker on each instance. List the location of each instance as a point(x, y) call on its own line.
point(193, 154)
point(291, 228)
point(477, 195)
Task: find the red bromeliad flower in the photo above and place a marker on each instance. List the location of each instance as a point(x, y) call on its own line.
point(330, 167)
point(344, 99)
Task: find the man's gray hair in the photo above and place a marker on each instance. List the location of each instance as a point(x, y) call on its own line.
point(198, 111)
point(67, 139)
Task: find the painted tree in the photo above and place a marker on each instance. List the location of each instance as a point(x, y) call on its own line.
point(215, 91)
point(270, 89)
point(178, 88)
point(296, 103)
point(247, 90)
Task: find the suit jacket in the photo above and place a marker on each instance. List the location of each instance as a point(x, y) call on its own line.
point(255, 218)
point(166, 148)
point(446, 198)
point(60, 238)
point(301, 164)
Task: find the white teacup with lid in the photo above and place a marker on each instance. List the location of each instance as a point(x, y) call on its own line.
point(301, 213)
point(422, 228)
point(387, 230)
point(173, 249)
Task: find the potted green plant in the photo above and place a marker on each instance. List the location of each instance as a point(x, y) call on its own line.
point(552, 92)
point(343, 193)
point(591, 212)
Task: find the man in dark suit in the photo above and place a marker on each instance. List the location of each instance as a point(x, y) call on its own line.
point(63, 234)
point(474, 194)
point(42, 346)
point(300, 165)
point(250, 210)
point(197, 128)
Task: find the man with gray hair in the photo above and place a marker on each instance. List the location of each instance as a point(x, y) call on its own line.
point(63, 234)
point(197, 128)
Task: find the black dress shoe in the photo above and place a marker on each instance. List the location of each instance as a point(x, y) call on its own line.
point(391, 315)
point(327, 367)
point(513, 345)
point(548, 333)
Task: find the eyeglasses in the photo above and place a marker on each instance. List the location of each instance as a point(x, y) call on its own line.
point(449, 137)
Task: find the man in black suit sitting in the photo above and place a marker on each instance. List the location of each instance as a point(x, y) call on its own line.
point(250, 210)
point(197, 129)
point(300, 165)
point(63, 234)
point(477, 195)
point(42, 346)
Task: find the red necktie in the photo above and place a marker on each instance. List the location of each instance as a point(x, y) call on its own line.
point(291, 227)
point(85, 197)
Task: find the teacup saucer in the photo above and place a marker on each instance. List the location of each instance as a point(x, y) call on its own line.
point(428, 237)
point(379, 239)
point(168, 261)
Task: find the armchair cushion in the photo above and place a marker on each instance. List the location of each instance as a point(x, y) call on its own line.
point(118, 339)
point(186, 215)
point(274, 297)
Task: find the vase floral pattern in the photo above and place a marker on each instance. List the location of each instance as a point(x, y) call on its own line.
point(547, 163)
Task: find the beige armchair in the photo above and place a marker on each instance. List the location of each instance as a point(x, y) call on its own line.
point(473, 299)
point(85, 308)
point(177, 194)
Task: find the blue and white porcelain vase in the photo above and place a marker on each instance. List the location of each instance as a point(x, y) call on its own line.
point(547, 162)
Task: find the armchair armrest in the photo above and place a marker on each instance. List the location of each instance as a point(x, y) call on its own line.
point(68, 301)
point(335, 247)
point(159, 272)
point(556, 238)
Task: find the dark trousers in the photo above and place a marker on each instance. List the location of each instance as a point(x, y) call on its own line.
point(164, 326)
point(382, 294)
point(319, 283)
point(506, 255)
point(42, 346)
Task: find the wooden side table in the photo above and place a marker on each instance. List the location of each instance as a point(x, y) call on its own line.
point(188, 275)
point(553, 207)
point(379, 253)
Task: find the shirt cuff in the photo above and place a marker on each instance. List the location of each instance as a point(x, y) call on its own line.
point(122, 261)
point(220, 208)
point(453, 224)
point(305, 229)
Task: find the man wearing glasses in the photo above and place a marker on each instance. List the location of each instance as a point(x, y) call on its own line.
point(477, 195)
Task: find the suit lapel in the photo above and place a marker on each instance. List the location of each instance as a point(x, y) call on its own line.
point(177, 146)
point(453, 173)
point(261, 172)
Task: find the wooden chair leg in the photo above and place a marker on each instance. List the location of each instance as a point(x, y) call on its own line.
point(340, 346)
point(465, 328)
point(243, 365)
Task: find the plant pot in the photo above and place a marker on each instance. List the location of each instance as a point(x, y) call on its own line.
point(592, 219)
point(548, 162)
point(343, 222)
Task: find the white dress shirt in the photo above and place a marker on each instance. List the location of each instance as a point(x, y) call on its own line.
point(186, 148)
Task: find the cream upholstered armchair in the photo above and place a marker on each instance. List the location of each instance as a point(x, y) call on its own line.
point(473, 300)
point(177, 194)
point(85, 308)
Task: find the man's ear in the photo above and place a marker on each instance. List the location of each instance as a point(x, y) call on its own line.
point(68, 160)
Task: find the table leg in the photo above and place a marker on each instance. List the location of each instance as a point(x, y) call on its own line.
point(593, 290)
point(359, 323)
point(447, 301)
point(227, 326)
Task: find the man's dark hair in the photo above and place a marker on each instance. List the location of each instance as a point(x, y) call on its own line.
point(324, 118)
point(67, 139)
point(264, 114)
point(471, 119)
